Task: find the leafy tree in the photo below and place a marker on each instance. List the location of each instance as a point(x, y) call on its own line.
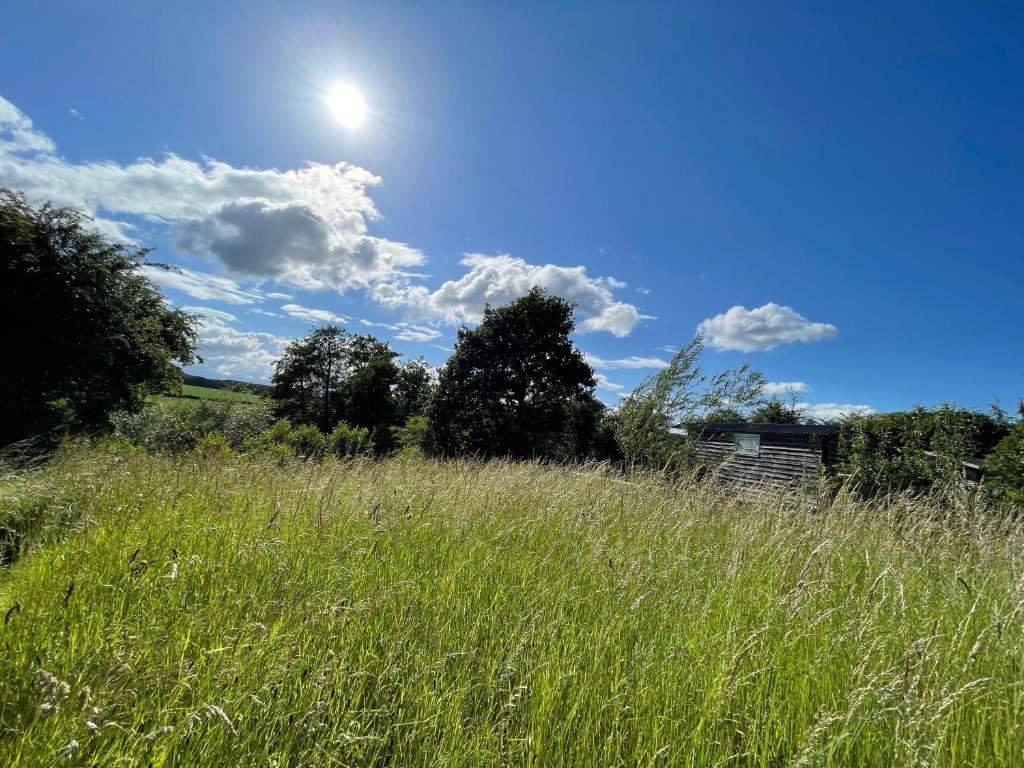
point(368, 400)
point(725, 414)
point(515, 385)
point(413, 387)
point(1004, 470)
point(775, 411)
point(84, 332)
point(312, 379)
point(680, 394)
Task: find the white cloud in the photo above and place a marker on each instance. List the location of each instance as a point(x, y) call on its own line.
point(407, 331)
point(833, 411)
point(609, 386)
point(633, 361)
point(209, 312)
point(785, 387)
point(279, 296)
point(73, 112)
point(500, 279)
point(201, 285)
point(312, 315)
point(234, 353)
point(305, 227)
point(762, 328)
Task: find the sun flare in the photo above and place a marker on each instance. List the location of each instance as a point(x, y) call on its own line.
point(347, 105)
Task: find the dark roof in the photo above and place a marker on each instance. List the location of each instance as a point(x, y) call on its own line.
point(766, 429)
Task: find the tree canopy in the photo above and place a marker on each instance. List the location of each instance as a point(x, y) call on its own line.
point(516, 385)
point(85, 333)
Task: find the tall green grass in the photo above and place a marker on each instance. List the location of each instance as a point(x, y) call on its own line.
point(220, 612)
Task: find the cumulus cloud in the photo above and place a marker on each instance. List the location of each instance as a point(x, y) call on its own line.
point(762, 328)
point(307, 227)
point(312, 315)
point(785, 387)
point(833, 411)
point(500, 279)
point(234, 353)
point(633, 361)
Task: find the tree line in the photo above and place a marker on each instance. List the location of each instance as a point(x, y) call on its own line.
point(92, 337)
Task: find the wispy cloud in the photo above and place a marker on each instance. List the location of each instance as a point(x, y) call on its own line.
point(633, 362)
point(312, 315)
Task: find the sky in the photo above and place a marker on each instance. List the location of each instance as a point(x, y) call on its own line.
point(832, 194)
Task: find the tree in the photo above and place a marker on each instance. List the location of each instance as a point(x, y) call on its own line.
point(513, 385)
point(1004, 470)
point(680, 394)
point(311, 376)
point(413, 387)
point(84, 332)
point(775, 411)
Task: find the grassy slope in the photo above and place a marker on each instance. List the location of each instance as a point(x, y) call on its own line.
point(208, 393)
point(413, 613)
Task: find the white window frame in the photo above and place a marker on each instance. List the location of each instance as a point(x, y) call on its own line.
point(748, 445)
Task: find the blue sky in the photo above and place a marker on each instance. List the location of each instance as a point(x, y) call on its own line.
point(835, 195)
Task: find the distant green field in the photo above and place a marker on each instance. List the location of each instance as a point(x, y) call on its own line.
point(190, 391)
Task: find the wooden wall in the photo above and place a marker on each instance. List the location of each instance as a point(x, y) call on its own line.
point(784, 459)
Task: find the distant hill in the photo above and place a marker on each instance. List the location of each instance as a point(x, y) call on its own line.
point(227, 384)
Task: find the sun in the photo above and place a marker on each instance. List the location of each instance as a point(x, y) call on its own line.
point(347, 105)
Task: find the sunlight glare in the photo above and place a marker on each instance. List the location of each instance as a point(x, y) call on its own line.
point(347, 105)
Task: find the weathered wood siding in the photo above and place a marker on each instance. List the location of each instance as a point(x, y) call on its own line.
point(784, 459)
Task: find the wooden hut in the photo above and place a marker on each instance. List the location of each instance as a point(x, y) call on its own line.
point(786, 454)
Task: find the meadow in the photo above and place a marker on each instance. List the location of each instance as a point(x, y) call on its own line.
point(194, 392)
point(226, 610)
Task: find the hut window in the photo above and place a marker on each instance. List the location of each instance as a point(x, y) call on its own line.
point(748, 445)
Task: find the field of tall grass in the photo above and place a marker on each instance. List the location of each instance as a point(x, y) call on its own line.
point(225, 611)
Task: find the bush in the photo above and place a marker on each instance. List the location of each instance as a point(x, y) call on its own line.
point(272, 442)
point(1004, 471)
point(213, 446)
point(308, 442)
point(173, 426)
point(346, 441)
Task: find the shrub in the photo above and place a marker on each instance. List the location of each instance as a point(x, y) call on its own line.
point(1004, 471)
point(308, 442)
point(913, 450)
point(213, 446)
point(273, 442)
point(346, 441)
point(172, 426)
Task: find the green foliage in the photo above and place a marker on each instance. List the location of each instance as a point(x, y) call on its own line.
point(169, 425)
point(913, 450)
point(679, 394)
point(308, 442)
point(413, 388)
point(1004, 469)
point(411, 437)
point(324, 378)
point(417, 613)
point(513, 384)
point(213, 446)
point(348, 442)
point(775, 411)
point(84, 331)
